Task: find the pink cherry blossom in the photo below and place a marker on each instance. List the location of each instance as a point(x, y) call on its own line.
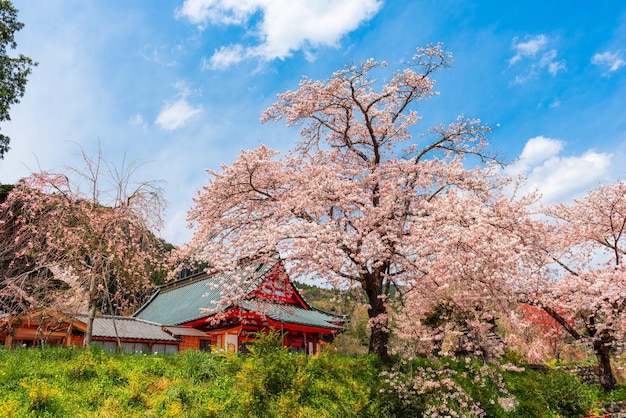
point(102, 249)
point(585, 279)
point(363, 200)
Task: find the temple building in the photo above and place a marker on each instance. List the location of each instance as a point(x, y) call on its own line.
point(185, 314)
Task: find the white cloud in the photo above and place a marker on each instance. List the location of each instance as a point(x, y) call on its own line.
point(539, 149)
point(224, 58)
point(528, 48)
point(139, 121)
point(548, 60)
point(533, 50)
point(159, 55)
point(559, 177)
point(176, 114)
point(280, 26)
point(63, 95)
point(612, 61)
point(562, 177)
point(227, 12)
point(555, 103)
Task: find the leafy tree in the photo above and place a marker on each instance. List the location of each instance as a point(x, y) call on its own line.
point(99, 241)
point(587, 277)
point(5, 189)
point(14, 71)
point(359, 201)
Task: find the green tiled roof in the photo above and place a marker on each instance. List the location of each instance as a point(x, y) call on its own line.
point(292, 314)
point(182, 302)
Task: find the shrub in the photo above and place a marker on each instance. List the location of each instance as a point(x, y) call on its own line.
point(10, 408)
point(41, 397)
point(433, 388)
point(86, 365)
point(551, 393)
point(199, 365)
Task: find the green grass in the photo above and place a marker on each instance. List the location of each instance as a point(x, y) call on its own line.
point(269, 382)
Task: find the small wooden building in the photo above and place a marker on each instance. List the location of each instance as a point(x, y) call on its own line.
point(51, 328)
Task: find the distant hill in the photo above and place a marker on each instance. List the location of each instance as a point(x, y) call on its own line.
point(339, 302)
point(355, 338)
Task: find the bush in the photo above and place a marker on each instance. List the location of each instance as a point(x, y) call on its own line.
point(442, 387)
point(200, 366)
point(273, 382)
point(551, 393)
point(41, 397)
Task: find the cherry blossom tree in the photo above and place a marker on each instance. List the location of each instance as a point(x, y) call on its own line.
point(361, 200)
point(96, 242)
point(535, 334)
point(585, 286)
point(479, 249)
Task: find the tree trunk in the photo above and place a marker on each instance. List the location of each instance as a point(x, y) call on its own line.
point(92, 311)
point(379, 326)
point(379, 339)
point(90, 317)
point(602, 348)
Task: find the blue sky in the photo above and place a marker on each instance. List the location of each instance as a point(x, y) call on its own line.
point(181, 84)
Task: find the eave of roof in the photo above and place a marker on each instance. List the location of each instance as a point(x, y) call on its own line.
point(128, 328)
point(184, 331)
point(292, 314)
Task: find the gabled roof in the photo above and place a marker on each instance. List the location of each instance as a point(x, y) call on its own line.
point(182, 301)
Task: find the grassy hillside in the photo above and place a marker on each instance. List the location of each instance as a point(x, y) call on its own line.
point(271, 382)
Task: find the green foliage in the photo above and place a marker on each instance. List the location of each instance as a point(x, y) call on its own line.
point(269, 382)
point(553, 393)
point(41, 397)
point(441, 387)
point(267, 343)
point(5, 189)
point(13, 70)
point(338, 301)
point(513, 357)
point(464, 387)
point(618, 394)
point(355, 338)
point(276, 383)
point(273, 382)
